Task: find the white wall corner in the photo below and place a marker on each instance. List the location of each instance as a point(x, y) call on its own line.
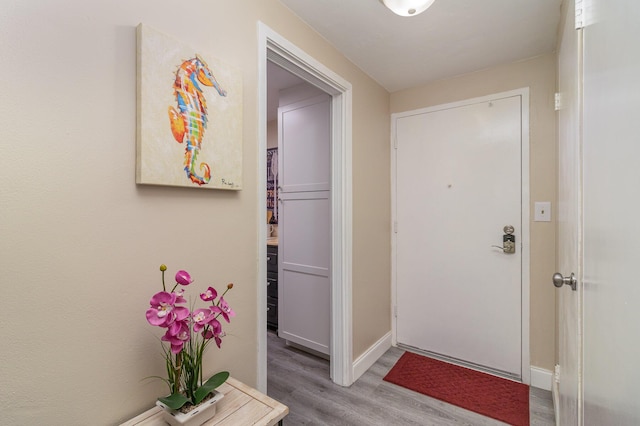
point(367, 359)
point(541, 378)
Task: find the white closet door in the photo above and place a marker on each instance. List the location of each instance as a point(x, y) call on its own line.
point(304, 287)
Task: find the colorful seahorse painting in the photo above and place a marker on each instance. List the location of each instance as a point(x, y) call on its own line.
point(189, 120)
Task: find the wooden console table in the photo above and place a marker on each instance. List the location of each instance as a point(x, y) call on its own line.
point(241, 405)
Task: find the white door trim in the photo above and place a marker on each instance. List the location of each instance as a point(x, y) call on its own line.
point(525, 244)
point(275, 48)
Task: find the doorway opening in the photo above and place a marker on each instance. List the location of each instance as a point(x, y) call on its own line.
point(279, 51)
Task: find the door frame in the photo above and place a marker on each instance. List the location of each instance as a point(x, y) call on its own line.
point(275, 48)
point(570, 49)
point(525, 204)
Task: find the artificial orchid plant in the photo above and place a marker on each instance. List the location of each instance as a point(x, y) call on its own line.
point(188, 332)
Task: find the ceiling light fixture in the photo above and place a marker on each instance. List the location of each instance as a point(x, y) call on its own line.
point(407, 7)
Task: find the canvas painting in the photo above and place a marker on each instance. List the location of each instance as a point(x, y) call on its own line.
point(189, 123)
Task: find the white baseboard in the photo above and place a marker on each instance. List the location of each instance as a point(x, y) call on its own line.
point(541, 378)
point(367, 359)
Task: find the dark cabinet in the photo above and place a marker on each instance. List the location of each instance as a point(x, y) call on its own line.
point(272, 287)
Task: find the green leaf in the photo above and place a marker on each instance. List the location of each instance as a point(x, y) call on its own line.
point(209, 386)
point(174, 401)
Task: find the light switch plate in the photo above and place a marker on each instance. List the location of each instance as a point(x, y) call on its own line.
point(542, 211)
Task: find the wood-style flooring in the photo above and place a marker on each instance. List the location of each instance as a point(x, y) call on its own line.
point(301, 381)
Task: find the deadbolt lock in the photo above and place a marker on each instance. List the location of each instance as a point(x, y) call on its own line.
point(509, 247)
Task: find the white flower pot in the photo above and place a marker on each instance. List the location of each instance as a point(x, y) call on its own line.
point(195, 417)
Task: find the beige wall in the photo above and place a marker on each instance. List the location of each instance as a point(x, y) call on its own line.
point(80, 243)
point(272, 134)
point(539, 74)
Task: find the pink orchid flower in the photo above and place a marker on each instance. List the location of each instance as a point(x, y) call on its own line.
point(209, 294)
point(183, 277)
point(163, 311)
point(214, 328)
point(177, 334)
point(218, 339)
point(226, 309)
point(180, 296)
point(201, 318)
point(214, 332)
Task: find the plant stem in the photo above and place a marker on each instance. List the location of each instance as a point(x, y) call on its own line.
point(178, 373)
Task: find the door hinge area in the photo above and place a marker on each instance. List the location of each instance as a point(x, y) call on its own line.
point(395, 226)
point(395, 311)
point(579, 14)
point(557, 101)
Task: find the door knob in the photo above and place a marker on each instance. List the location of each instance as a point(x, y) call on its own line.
point(559, 280)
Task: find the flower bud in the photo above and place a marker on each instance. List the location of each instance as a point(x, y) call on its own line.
point(163, 267)
point(183, 277)
point(230, 286)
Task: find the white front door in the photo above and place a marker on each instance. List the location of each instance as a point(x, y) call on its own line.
point(304, 227)
point(458, 183)
point(569, 222)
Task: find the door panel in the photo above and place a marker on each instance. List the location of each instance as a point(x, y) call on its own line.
point(305, 154)
point(304, 229)
point(458, 177)
point(611, 205)
point(304, 244)
point(306, 323)
point(569, 221)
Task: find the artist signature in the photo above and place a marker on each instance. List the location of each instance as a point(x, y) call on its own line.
point(228, 183)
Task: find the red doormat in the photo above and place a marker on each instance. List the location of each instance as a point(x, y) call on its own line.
point(488, 395)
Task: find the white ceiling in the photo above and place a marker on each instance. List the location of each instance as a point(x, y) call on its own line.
point(450, 38)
